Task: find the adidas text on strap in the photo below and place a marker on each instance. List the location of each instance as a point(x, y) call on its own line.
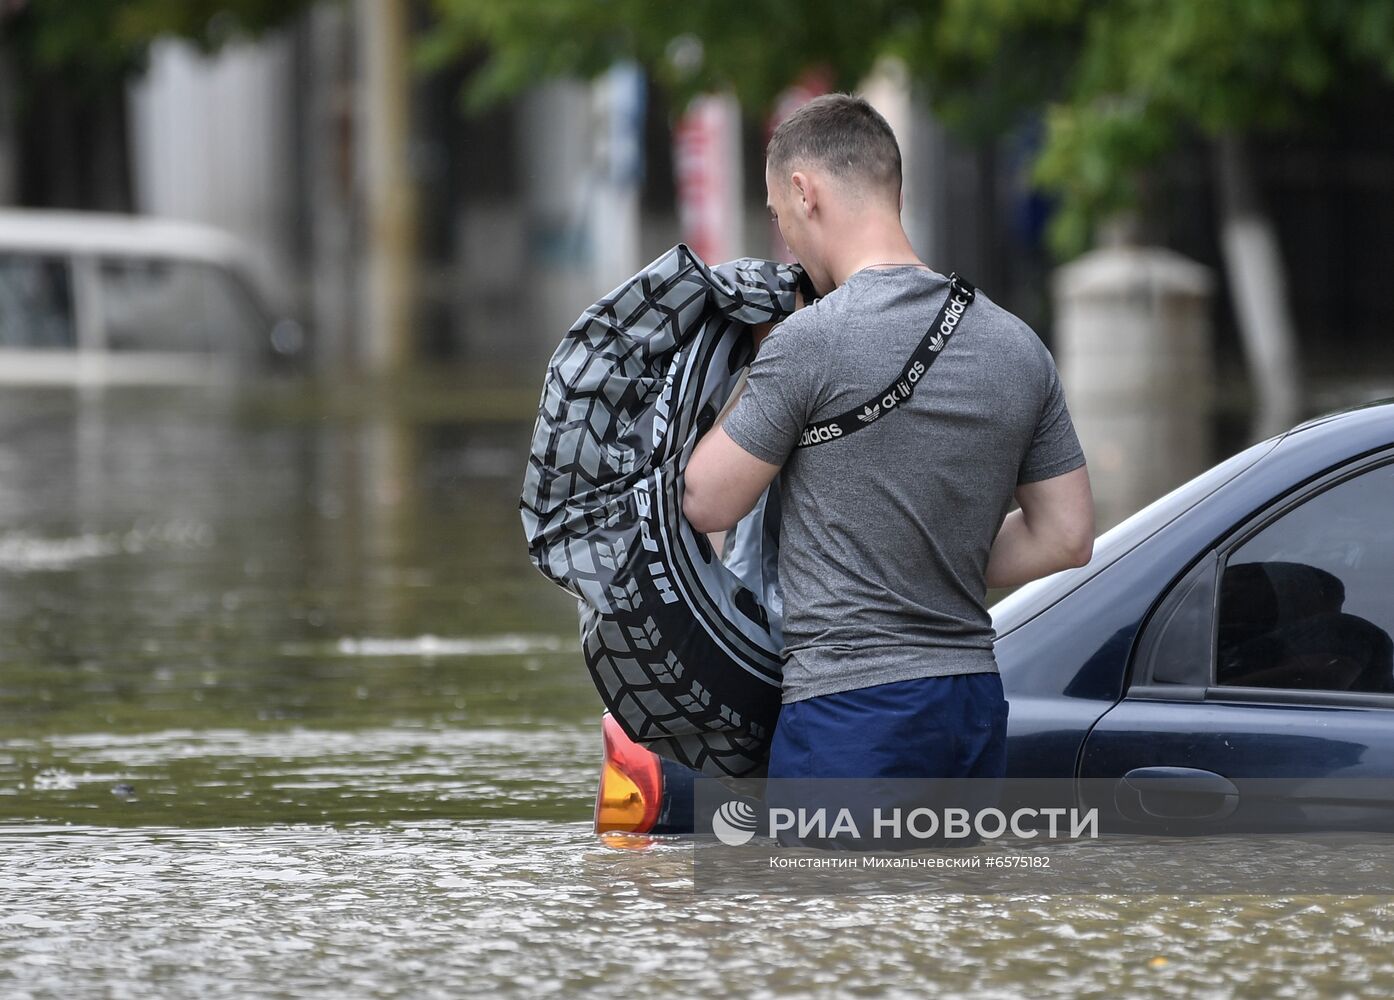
point(960, 297)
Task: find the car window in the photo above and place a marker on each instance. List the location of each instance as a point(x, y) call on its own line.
point(1176, 644)
point(1308, 602)
point(153, 305)
point(36, 302)
point(175, 306)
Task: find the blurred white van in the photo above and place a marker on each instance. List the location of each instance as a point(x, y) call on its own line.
point(95, 297)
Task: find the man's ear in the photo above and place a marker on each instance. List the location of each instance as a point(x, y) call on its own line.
point(805, 190)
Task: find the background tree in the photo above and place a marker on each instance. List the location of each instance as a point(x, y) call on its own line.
point(1120, 84)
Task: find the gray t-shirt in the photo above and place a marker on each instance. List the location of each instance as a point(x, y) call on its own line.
point(884, 535)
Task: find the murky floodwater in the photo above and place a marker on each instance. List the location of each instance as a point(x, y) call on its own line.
point(285, 710)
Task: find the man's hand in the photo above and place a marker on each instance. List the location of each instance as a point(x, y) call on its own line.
point(759, 331)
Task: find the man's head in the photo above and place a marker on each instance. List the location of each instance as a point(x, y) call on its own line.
point(831, 165)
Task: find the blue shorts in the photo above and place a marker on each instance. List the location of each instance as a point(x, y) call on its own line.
point(929, 727)
point(893, 740)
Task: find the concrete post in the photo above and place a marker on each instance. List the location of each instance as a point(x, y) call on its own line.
point(1133, 346)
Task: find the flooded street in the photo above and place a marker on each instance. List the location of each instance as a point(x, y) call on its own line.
point(285, 710)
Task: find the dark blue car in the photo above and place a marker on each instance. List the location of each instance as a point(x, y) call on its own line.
point(1239, 628)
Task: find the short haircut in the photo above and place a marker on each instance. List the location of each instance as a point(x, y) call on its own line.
point(843, 134)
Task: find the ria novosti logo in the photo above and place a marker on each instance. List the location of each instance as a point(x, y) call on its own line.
point(734, 823)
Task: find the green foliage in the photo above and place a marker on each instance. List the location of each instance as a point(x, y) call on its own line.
point(1147, 74)
point(755, 46)
point(1119, 82)
point(95, 42)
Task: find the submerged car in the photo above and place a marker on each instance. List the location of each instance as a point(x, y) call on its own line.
point(99, 297)
point(1235, 630)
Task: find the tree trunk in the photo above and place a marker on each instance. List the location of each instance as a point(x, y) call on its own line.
point(1258, 288)
point(384, 38)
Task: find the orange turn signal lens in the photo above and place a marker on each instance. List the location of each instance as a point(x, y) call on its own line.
point(631, 783)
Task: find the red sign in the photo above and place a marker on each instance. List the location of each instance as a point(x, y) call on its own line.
point(707, 162)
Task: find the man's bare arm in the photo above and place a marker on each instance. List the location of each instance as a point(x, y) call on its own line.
point(1052, 530)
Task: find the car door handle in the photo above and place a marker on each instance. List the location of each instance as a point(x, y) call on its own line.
point(1175, 793)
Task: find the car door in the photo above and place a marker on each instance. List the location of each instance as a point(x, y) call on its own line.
point(1261, 688)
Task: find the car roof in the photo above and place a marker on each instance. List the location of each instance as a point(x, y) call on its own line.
point(1356, 411)
point(113, 234)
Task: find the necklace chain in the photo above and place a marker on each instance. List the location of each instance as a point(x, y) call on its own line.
point(889, 263)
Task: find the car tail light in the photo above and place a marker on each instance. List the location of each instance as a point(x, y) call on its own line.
point(631, 783)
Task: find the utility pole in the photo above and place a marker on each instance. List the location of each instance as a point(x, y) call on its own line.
point(389, 199)
point(328, 150)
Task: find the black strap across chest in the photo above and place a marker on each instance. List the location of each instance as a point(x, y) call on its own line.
point(960, 297)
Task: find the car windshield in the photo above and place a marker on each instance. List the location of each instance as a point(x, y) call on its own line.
point(1030, 599)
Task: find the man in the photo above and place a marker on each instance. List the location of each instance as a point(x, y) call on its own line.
point(889, 538)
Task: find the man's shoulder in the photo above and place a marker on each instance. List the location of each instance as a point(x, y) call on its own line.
point(991, 311)
point(1010, 330)
point(818, 322)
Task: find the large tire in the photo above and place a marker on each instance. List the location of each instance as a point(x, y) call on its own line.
point(684, 648)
